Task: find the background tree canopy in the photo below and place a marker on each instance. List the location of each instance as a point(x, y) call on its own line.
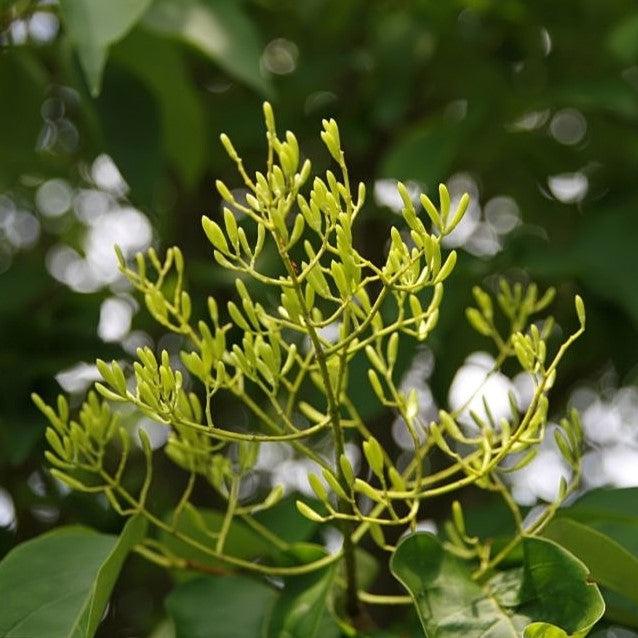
point(109, 120)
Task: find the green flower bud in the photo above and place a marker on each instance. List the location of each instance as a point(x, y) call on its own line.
point(214, 234)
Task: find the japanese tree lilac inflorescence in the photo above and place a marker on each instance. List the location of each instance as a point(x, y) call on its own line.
point(267, 355)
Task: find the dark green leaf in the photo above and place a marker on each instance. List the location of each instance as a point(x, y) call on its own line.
point(300, 609)
point(605, 505)
point(165, 74)
point(610, 564)
point(58, 584)
point(614, 632)
point(220, 607)
point(620, 609)
point(608, 233)
point(284, 520)
point(612, 512)
point(132, 131)
point(550, 588)
point(623, 39)
point(241, 542)
point(23, 85)
point(425, 154)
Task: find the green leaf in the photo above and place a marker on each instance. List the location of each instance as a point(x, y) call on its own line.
point(23, 82)
point(58, 584)
point(605, 506)
point(93, 26)
point(283, 520)
point(614, 632)
point(241, 542)
point(132, 131)
point(550, 587)
point(544, 630)
point(220, 607)
point(612, 232)
point(164, 629)
point(623, 39)
point(219, 29)
point(620, 609)
point(612, 512)
point(609, 562)
point(426, 153)
point(300, 609)
point(165, 74)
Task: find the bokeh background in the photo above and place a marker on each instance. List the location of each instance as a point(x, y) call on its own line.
point(531, 107)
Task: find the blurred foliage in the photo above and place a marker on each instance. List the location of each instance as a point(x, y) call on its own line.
point(422, 89)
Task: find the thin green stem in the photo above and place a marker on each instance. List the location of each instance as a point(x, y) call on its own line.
point(269, 570)
point(383, 599)
point(233, 496)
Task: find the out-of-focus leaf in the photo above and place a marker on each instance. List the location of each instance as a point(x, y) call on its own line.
point(284, 520)
point(5, 4)
point(588, 257)
point(165, 629)
point(18, 439)
point(620, 609)
point(131, 126)
point(608, 95)
point(219, 29)
point(94, 25)
point(489, 519)
point(58, 584)
point(610, 564)
point(614, 632)
point(550, 588)
point(164, 73)
point(220, 607)
point(623, 39)
point(23, 85)
point(424, 154)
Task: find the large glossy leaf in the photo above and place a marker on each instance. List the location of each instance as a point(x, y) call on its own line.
point(605, 505)
point(94, 25)
point(211, 606)
point(300, 609)
point(220, 607)
point(217, 28)
point(613, 513)
point(609, 562)
point(551, 588)
point(58, 584)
